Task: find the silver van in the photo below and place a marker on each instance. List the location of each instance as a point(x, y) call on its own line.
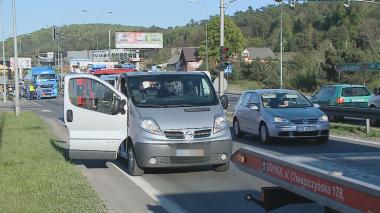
point(154, 120)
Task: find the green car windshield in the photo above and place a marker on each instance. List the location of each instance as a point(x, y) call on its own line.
point(284, 100)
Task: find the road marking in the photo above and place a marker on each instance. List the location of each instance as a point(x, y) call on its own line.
point(168, 205)
point(45, 110)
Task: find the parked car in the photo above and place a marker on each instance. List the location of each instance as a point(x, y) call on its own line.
point(374, 102)
point(154, 120)
point(278, 113)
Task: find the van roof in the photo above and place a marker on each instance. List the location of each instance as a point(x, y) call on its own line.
point(162, 73)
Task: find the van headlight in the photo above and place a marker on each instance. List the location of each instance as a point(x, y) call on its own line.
point(324, 118)
point(150, 126)
point(220, 123)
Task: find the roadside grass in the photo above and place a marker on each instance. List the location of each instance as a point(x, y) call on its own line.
point(349, 130)
point(242, 85)
point(34, 176)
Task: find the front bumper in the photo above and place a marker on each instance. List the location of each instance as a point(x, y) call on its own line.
point(299, 131)
point(183, 154)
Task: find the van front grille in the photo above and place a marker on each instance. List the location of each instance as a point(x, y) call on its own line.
point(174, 134)
point(202, 133)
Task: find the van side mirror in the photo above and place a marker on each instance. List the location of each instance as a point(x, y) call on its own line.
point(254, 107)
point(316, 105)
point(118, 107)
point(224, 101)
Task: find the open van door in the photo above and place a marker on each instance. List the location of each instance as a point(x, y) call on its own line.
point(95, 115)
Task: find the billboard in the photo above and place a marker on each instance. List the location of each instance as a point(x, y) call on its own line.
point(23, 63)
point(138, 40)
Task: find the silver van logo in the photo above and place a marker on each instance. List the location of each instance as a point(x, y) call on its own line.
point(189, 135)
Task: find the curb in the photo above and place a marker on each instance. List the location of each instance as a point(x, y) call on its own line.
point(354, 139)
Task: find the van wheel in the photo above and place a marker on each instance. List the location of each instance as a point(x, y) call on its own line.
point(264, 135)
point(133, 168)
point(222, 168)
point(237, 131)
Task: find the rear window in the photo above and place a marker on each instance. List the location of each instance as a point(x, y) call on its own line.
point(355, 91)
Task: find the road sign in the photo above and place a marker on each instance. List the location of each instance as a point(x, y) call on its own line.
point(229, 69)
point(23, 63)
point(357, 67)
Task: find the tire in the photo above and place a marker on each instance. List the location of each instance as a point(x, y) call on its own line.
point(133, 167)
point(236, 128)
point(323, 139)
point(222, 167)
point(264, 135)
point(374, 122)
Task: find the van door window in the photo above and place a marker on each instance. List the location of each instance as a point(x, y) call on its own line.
point(91, 94)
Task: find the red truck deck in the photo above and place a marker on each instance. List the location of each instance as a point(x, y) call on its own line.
point(348, 182)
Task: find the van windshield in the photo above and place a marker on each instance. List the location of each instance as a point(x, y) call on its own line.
point(171, 91)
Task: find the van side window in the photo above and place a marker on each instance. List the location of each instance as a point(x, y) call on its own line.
point(91, 94)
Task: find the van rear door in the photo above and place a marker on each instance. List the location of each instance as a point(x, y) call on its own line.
point(94, 113)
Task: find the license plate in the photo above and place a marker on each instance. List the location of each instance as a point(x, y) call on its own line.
point(189, 152)
point(306, 128)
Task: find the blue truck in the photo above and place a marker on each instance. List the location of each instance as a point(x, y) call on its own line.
point(43, 78)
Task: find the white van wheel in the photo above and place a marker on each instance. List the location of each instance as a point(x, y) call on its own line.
point(133, 168)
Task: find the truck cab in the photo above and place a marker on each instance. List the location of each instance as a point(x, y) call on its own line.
point(44, 78)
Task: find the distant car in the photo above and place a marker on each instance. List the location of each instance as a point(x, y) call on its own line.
point(278, 113)
point(346, 95)
point(374, 102)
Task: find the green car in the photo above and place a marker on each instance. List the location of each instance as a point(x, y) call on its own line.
point(345, 95)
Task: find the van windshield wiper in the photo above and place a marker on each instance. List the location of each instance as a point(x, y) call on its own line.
point(179, 105)
point(152, 105)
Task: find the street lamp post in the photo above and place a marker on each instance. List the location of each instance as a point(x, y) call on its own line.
point(97, 25)
point(15, 66)
point(205, 7)
point(221, 73)
point(3, 43)
point(281, 50)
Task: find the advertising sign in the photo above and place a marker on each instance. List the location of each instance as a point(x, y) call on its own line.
point(139, 40)
point(23, 63)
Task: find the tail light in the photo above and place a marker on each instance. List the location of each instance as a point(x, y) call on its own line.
point(340, 100)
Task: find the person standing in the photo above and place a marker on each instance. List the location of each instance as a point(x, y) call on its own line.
point(31, 92)
point(39, 92)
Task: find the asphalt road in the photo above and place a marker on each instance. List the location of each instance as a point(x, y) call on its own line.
point(191, 190)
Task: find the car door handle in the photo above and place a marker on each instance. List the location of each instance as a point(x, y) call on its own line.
point(69, 115)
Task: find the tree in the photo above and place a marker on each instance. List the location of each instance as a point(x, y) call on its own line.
point(233, 39)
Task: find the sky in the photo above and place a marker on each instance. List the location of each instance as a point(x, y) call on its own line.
point(32, 15)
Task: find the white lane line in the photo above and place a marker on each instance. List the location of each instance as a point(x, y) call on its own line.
point(168, 205)
point(347, 139)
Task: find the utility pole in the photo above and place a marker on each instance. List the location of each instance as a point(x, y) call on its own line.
point(2, 39)
point(281, 50)
point(15, 67)
point(221, 73)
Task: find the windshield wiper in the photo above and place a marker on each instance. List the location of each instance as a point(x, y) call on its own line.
point(152, 105)
point(179, 105)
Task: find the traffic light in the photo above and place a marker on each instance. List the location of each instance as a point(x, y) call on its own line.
point(224, 55)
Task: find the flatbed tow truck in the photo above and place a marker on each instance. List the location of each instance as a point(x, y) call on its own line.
point(341, 182)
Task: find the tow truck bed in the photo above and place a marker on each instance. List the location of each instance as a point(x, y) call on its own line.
point(348, 182)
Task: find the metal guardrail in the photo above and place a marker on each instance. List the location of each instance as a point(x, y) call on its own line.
point(365, 113)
